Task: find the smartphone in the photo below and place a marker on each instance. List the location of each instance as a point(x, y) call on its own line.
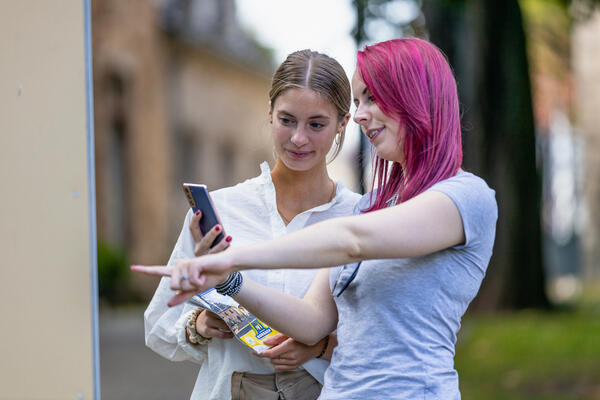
point(199, 199)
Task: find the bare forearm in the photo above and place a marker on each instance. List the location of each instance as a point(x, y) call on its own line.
point(325, 244)
point(292, 316)
point(429, 222)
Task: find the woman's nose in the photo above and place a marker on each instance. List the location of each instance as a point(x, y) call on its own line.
point(361, 115)
point(299, 137)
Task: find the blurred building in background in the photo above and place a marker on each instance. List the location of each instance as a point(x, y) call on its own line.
point(181, 95)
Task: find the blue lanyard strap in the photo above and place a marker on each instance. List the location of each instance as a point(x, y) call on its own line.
point(344, 279)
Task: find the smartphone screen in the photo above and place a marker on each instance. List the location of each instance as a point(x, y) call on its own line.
point(199, 199)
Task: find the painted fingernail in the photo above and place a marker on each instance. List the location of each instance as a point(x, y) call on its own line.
point(217, 228)
point(198, 212)
point(228, 239)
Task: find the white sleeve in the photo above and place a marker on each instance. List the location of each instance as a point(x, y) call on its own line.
point(164, 326)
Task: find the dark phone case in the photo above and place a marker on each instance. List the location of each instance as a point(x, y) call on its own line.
point(199, 199)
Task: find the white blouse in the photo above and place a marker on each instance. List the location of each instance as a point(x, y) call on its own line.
point(248, 212)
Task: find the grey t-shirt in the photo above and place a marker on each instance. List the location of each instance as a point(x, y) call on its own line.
point(399, 318)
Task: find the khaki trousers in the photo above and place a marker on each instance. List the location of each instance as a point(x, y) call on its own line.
point(289, 385)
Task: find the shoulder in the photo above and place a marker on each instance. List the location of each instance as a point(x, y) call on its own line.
point(465, 187)
point(246, 189)
point(342, 204)
point(248, 200)
point(347, 196)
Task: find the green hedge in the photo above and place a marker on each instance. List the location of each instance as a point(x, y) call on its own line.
point(112, 273)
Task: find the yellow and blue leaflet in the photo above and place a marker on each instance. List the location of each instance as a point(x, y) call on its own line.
point(245, 326)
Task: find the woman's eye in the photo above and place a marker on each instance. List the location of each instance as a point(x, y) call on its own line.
point(371, 99)
point(316, 125)
point(286, 121)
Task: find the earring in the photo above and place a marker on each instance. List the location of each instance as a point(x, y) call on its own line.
point(338, 138)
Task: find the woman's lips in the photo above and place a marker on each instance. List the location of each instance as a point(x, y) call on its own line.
point(372, 133)
point(299, 154)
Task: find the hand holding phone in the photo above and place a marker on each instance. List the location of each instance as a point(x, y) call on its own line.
point(199, 199)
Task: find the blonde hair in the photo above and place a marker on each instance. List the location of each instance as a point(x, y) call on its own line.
point(306, 69)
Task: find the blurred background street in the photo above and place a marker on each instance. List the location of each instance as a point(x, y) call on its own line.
point(129, 370)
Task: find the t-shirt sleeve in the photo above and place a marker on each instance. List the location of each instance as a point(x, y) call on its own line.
point(476, 203)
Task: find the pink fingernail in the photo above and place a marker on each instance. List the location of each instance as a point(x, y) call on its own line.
point(198, 212)
point(217, 228)
point(228, 239)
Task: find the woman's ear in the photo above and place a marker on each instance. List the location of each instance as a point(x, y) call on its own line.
point(344, 123)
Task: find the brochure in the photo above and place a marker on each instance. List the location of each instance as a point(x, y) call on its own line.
point(245, 326)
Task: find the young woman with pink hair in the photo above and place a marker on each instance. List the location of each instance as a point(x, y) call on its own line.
point(410, 261)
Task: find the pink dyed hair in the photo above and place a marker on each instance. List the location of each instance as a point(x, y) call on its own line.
point(412, 82)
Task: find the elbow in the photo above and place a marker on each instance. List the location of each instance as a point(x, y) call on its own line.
point(311, 331)
point(309, 340)
point(306, 338)
point(354, 252)
point(352, 244)
point(309, 337)
point(314, 337)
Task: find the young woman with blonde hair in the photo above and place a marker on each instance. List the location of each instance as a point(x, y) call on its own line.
point(308, 112)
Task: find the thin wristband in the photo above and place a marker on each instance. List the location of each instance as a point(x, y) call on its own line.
point(324, 347)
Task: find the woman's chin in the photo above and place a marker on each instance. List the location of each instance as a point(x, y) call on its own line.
point(383, 154)
point(386, 154)
point(301, 164)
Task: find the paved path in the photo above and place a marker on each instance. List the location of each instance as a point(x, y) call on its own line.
point(131, 371)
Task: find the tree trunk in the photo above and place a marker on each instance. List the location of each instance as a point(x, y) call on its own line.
point(485, 43)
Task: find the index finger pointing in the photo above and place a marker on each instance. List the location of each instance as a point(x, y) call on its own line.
point(160, 270)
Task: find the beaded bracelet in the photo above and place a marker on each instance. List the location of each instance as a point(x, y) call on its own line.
point(193, 336)
point(324, 347)
point(232, 285)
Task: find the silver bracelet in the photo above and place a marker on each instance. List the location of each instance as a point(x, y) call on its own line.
point(232, 285)
point(193, 336)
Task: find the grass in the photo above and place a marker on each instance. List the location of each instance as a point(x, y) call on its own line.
point(531, 355)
